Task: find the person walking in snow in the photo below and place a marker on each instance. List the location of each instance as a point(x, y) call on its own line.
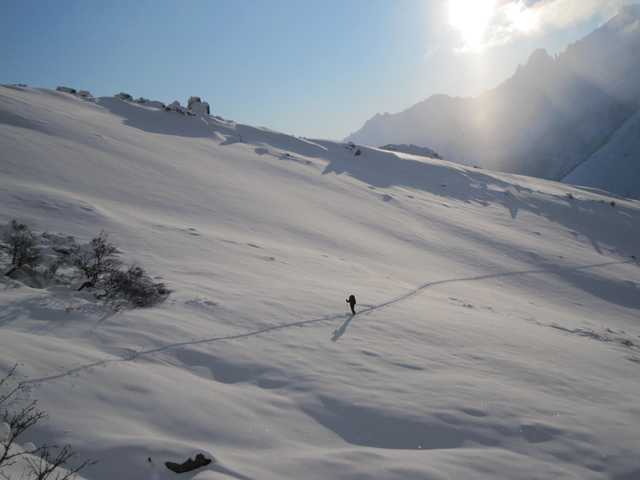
point(352, 303)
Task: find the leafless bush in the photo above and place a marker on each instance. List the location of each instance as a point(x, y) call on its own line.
point(96, 260)
point(53, 463)
point(19, 415)
point(19, 418)
point(22, 246)
point(135, 286)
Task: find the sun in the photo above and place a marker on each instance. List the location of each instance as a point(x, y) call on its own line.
point(472, 18)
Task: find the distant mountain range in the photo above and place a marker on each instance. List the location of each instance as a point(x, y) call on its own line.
point(552, 119)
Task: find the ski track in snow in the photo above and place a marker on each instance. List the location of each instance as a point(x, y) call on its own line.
point(370, 309)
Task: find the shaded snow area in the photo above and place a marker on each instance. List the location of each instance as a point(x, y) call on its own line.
point(616, 166)
point(497, 334)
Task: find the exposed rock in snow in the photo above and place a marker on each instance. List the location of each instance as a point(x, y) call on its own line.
point(66, 90)
point(150, 103)
point(190, 464)
point(84, 94)
point(176, 107)
point(124, 96)
point(198, 107)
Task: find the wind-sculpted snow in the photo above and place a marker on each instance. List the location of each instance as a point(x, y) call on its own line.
point(497, 328)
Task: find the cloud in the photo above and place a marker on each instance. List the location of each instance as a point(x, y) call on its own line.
point(565, 13)
point(513, 19)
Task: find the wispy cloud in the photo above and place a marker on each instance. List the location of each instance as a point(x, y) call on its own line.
point(513, 19)
point(564, 13)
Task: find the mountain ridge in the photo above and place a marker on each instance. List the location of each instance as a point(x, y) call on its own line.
point(551, 115)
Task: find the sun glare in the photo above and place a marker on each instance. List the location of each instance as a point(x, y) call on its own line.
point(471, 18)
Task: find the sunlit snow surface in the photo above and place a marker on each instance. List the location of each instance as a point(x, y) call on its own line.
point(499, 325)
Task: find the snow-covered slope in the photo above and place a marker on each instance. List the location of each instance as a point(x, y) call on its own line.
point(616, 166)
point(412, 150)
point(498, 329)
point(549, 117)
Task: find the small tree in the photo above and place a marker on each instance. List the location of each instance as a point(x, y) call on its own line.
point(17, 416)
point(22, 246)
point(18, 420)
point(52, 463)
point(96, 260)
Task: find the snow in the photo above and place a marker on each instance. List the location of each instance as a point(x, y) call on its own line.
point(5, 431)
point(411, 149)
point(29, 447)
point(497, 333)
point(615, 167)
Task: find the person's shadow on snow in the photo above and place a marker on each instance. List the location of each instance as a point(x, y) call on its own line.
point(340, 331)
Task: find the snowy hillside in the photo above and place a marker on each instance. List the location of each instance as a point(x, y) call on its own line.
point(545, 120)
point(412, 149)
point(616, 166)
point(497, 335)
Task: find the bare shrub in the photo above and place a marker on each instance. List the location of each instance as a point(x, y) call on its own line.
point(18, 416)
point(22, 246)
point(96, 260)
point(53, 463)
point(135, 286)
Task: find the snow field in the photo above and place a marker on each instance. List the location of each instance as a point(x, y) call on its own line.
point(497, 335)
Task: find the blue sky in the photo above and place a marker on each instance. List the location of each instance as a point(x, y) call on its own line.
point(316, 68)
